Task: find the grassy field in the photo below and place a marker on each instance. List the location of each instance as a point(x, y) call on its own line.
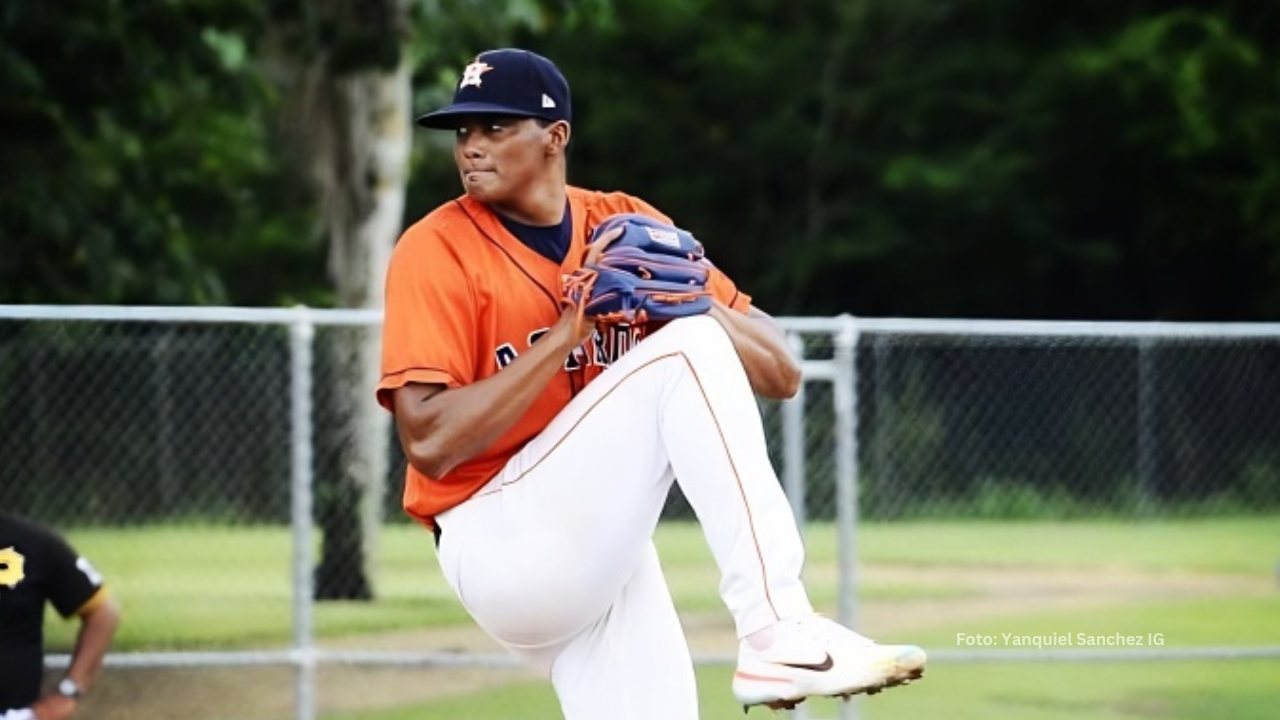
point(228, 586)
point(1197, 582)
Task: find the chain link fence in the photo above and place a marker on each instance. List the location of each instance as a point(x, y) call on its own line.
point(1053, 424)
point(125, 423)
point(188, 447)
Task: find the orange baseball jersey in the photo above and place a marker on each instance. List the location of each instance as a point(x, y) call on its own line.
point(465, 297)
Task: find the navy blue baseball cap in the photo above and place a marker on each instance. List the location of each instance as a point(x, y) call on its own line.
point(506, 82)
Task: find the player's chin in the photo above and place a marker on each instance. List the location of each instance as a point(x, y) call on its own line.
point(482, 190)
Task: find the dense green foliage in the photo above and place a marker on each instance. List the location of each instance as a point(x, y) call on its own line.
point(980, 159)
point(977, 159)
point(139, 158)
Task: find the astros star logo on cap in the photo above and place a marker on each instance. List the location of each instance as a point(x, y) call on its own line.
point(471, 75)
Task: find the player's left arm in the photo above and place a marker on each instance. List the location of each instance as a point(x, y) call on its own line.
point(76, 589)
point(772, 369)
point(98, 621)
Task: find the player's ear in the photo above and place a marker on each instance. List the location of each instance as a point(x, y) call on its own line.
point(557, 137)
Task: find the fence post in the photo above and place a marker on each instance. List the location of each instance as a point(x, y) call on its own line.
point(846, 427)
point(793, 450)
point(793, 459)
point(880, 434)
point(162, 394)
point(1146, 470)
point(301, 336)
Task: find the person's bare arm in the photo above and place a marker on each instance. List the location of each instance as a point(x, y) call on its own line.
point(440, 429)
point(762, 346)
point(97, 628)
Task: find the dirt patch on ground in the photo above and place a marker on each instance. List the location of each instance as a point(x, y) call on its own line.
point(268, 693)
point(984, 593)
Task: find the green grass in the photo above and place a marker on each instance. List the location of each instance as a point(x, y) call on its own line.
point(1240, 690)
point(1248, 545)
point(207, 586)
point(204, 586)
point(1244, 545)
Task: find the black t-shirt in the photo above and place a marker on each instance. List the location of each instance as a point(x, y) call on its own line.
point(550, 241)
point(35, 565)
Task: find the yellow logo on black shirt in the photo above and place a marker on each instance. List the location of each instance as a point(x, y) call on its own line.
point(11, 567)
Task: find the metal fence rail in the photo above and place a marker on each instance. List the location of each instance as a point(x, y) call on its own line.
point(861, 439)
point(437, 659)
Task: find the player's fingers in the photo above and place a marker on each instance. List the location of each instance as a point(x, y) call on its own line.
point(577, 321)
point(576, 296)
point(602, 242)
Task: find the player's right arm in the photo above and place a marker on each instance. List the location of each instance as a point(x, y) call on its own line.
point(441, 428)
point(448, 411)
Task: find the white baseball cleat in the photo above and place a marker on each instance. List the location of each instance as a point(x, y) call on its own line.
point(813, 656)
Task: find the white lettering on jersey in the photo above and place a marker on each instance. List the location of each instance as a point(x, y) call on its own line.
point(605, 347)
point(614, 342)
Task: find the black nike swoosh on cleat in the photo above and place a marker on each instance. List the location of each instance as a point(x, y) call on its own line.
point(823, 666)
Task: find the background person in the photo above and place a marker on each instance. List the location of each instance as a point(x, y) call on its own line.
point(38, 566)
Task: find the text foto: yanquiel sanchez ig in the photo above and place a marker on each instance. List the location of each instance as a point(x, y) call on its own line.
point(1052, 640)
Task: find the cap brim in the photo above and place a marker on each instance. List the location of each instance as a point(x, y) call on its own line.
point(446, 118)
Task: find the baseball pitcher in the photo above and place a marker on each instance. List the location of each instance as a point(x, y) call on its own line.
point(555, 358)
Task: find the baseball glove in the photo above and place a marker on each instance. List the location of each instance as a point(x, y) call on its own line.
point(639, 270)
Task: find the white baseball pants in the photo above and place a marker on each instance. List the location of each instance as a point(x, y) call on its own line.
point(554, 557)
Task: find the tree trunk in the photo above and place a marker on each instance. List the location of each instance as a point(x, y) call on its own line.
point(363, 176)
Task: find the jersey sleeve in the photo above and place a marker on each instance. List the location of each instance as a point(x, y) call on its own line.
point(73, 582)
point(724, 290)
point(429, 323)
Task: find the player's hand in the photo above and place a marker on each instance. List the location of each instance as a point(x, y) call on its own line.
point(54, 707)
point(573, 326)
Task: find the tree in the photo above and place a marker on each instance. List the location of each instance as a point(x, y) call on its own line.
point(923, 158)
point(137, 156)
point(346, 66)
point(347, 72)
